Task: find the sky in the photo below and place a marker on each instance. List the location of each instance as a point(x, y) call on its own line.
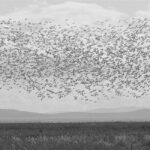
point(81, 12)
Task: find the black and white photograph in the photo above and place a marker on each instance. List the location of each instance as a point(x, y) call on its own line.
point(74, 74)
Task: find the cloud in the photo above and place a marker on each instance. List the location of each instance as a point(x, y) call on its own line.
point(143, 13)
point(83, 13)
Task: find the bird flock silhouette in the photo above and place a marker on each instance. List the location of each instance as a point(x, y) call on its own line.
point(88, 61)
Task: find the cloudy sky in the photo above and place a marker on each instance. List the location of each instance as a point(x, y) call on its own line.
point(80, 11)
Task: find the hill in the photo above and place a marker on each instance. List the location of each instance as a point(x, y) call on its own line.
point(22, 116)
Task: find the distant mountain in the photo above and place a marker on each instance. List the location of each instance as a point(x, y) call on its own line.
point(111, 110)
point(22, 116)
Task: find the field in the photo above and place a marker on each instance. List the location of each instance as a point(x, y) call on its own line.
point(75, 136)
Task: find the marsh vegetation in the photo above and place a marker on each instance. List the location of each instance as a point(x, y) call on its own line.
point(75, 136)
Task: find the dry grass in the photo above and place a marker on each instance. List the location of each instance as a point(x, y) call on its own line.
point(78, 136)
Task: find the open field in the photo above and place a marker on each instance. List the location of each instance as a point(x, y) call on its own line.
point(75, 136)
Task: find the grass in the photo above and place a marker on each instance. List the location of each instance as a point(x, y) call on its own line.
point(75, 136)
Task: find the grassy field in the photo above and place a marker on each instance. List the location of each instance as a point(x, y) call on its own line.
point(75, 136)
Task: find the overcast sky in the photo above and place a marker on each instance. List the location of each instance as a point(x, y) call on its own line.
point(81, 11)
point(126, 6)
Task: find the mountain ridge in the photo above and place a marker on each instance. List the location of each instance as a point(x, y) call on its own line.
point(7, 115)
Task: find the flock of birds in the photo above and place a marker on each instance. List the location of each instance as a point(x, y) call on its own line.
point(87, 61)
